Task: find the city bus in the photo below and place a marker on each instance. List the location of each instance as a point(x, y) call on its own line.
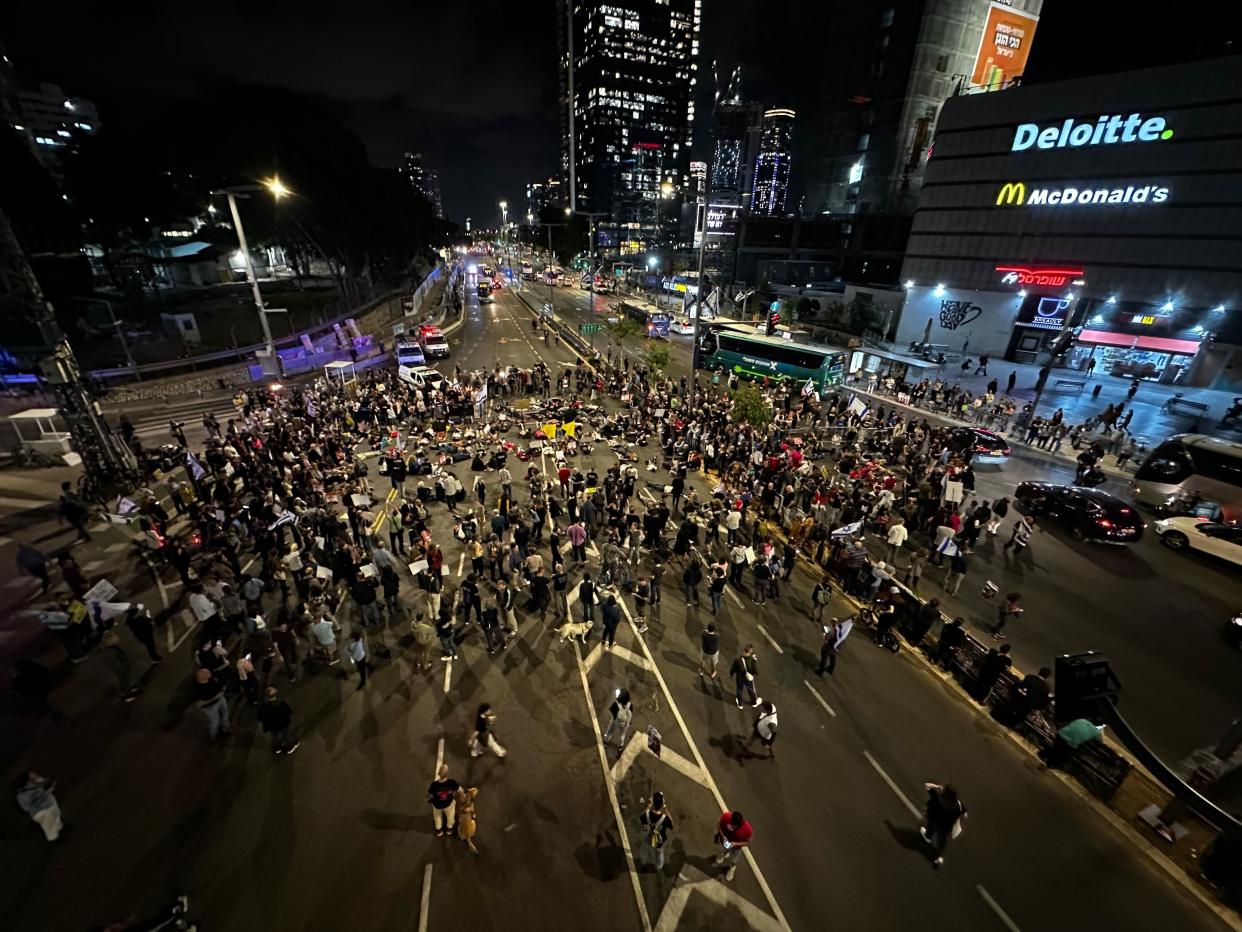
point(485, 292)
point(654, 323)
point(752, 355)
point(1195, 467)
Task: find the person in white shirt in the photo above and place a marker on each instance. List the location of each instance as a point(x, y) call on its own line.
point(897, 535)
point(733, 521)
point(204, 608)
point(765, 727)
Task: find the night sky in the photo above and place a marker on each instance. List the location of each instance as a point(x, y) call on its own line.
point(472, 87)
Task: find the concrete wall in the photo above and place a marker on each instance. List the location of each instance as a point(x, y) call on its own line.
point(963, 319)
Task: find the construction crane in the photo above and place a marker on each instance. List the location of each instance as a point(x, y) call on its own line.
point(108, 463)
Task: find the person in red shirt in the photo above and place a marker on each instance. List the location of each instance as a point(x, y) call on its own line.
point(733, 833)
point(563, 475)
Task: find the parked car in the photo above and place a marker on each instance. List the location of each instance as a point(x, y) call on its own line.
point(1088, 514)
point(1188, 532)
point(985, 446)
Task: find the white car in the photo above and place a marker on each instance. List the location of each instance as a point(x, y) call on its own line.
point(1188, 533)
point(420, 377)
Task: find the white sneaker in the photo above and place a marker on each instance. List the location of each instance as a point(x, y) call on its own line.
point(729, 873)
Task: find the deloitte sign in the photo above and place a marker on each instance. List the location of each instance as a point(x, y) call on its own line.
point(1107, 130)
point(1015, 194)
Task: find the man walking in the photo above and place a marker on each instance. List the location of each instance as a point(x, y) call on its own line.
point(358, 655)
point(138, 620)
point(691, 576)
point(765, 728)
point(483, 738)
point(709, 655)
point(73, 511)
point(442, 794)
point(117, 661)
point(611, 616)
point(733, 834)
point(209, 693)
point(819, 599)
point(276, 717)
point(745, 668)
point(622, 712)
point(424, 639)
point(1020, 538)
point(656, 824)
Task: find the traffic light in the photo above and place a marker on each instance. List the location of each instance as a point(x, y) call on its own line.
point(1064, 340)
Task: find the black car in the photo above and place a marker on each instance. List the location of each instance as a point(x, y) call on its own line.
point(1089, 514)
point(983, 446)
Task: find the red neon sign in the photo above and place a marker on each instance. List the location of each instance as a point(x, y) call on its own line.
point(1022, 275)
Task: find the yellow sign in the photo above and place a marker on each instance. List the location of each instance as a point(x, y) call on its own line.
point(549, 430)
point(569, 428)
point(1011, 192)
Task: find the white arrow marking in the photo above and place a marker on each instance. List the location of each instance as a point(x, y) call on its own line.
point(638, 745)
point(693, 881)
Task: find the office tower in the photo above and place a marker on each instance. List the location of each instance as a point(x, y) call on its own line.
point(771, 172)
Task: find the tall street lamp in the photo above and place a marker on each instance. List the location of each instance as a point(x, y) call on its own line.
point(504, 223)
point(277, 189)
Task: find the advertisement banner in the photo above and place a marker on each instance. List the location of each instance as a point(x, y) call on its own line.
point(1004, 47)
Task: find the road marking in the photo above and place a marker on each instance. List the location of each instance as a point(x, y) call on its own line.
point(776, 647)
point(461, 561)
point(718, 893)
point(820, 699)
point(638, 745)
point(733, 596)
point(905, 801)
point(439, 758)
point(448, 674)
point(622, 825)
point(698, 758)
point(424, 905)
point(1000, 913)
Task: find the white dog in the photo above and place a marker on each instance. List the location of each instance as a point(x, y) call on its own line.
point(575, 629)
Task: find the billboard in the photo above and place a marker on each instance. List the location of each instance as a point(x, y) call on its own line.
point(1004, 47)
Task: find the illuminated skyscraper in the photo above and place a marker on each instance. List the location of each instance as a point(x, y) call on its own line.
point(736, 129)
point(771, 173)
point(627, 74)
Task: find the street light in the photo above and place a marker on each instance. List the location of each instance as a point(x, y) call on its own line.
point(277, 189)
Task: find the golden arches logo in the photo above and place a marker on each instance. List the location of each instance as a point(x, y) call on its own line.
point(1011, 192)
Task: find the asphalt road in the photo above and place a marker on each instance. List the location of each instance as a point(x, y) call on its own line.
point(1155, 614)
point(339, 836)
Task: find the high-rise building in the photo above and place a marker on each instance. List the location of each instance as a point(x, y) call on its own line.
point(425, 181)
point(888, 69)
point(627, 76)
point(771, 173)
point(542, 194)
point(48, 119)
point(737, 125)
point(433, 192)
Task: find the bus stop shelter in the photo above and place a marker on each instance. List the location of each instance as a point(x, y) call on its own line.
point(872, 365)
point(342, 372)
point(35, 429)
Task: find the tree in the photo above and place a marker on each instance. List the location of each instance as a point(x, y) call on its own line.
point(623, 329)
point(861, 314)
point(656, 355)
point(750, 406)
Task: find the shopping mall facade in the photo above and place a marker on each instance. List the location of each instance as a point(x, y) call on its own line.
point(1111, 205)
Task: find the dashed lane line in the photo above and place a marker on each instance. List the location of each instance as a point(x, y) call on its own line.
point(1000, 913)
point(820, 699)
point(892, 785)
point(771, 640)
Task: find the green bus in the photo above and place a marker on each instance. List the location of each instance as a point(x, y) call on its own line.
point(752, 355)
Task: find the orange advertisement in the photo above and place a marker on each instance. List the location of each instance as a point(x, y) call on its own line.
point(1004, 48)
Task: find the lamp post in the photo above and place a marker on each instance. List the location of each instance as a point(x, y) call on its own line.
point(120, 331)
point(590, 250)
point(277, 190)
point(504, 225)
point(707, 199)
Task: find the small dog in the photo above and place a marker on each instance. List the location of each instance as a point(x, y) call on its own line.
point(575, 629)
point(467, 822)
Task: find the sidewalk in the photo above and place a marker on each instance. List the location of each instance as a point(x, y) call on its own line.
point(1150, 424)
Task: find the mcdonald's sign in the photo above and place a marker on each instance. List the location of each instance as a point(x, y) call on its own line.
point(1011, 192)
